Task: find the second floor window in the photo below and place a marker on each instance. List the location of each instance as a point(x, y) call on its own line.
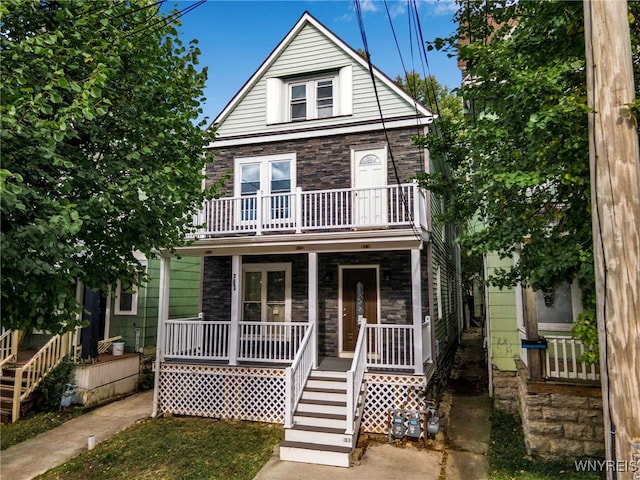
point(274, 177)
point(311, 99)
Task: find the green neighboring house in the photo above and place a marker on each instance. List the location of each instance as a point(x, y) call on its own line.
point(134, 316)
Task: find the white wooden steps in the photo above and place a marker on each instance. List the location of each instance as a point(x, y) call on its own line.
point(319, 433)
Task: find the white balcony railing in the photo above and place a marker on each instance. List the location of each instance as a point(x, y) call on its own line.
point(563, 359)
point(393, 205)
point(276, 342)
point(193, 338)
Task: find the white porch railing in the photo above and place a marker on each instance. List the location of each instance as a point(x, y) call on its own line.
point(197, 339)
point(194, 338)
point(276, 342)
point(296, 375)
point(385, 346)
point(426, 340)
point(390, 346)
point(563, 359)
point(392, 205)
point(355, 376)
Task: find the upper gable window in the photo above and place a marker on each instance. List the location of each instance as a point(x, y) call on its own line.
point(313, 98)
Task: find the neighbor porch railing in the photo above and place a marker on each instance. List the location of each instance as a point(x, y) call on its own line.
point(29, 376)
point(9, 341)
point(197, 339)
point(563, 359)
point(355, 375)
point(298, 211)
point(297, 374)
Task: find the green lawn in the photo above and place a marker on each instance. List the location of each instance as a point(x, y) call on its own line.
point(177, 447)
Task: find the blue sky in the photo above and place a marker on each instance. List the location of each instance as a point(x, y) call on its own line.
point(235, 36)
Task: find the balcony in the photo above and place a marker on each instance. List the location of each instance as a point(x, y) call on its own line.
point(393, 206)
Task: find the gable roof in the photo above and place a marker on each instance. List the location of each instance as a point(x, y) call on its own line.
point(305, 20)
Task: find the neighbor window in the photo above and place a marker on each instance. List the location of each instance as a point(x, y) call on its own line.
point(126, 300)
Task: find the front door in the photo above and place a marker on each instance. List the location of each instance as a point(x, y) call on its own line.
point(359, 298)
point(370, 182)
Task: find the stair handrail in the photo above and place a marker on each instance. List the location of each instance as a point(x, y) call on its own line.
point(9, 342)
point(34, 371)
point(297, 374)
point(355, 375)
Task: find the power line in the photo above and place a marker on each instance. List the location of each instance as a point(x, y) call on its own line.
point(384, 127)
point(164, 21)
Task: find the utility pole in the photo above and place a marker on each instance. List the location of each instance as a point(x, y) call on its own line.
point(615, 189)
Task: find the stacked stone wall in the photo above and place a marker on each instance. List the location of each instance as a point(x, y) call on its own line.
point(561, 422)
point(505, 390)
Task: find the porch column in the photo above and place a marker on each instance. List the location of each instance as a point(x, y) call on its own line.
point(313, 304)
point(236, 288)
point(416, 302)
point(163, 316)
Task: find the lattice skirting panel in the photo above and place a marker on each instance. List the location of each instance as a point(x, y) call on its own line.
point(386, 392)
point(242, 393)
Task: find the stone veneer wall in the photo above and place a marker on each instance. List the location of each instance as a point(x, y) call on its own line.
point(561, 422)
point(505, 390)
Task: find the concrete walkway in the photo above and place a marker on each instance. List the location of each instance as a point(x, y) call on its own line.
point(467, 405)
point(462, 456)
point(50, 449)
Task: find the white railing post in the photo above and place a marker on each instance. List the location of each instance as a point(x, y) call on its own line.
point(236, 288)
point(298, 200)
point(288, 403)
point(416, 204)
point(416, 301)
point(259, 212)
point(163, 316)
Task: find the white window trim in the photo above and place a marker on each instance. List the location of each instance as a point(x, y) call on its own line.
point(265, 179)
point(278, 95)
point(264, 161)
point(264, 268)
point(311, 96)
point(134, 302)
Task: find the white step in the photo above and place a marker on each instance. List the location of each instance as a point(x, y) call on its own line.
point(327, 394)
point(322, 435)
point(330, 382)
point(320, 420)
point(322, 406)
point(315, 453)
point(328, 373)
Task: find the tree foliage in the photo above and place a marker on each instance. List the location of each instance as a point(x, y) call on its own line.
point(101, 155)
point(519, 160)
point(430, 93)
